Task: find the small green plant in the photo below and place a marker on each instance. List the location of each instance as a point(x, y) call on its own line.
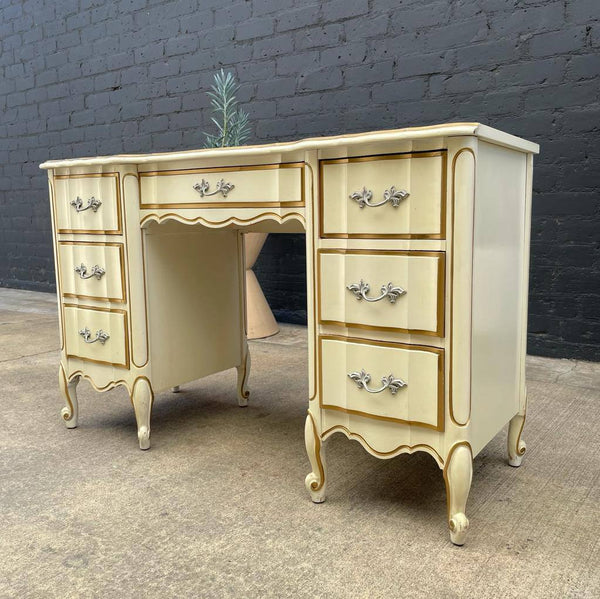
point(231, 121)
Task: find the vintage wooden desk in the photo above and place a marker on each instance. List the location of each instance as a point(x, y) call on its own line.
point(417, 246)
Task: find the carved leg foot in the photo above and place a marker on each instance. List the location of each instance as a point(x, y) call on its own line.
point(516, 447)
point(142, 398)
point(315, 481)
point(457, 475)
point(175, 389)
point(243, 373)
point(70, 412)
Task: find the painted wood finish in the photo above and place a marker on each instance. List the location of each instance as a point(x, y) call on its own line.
point(430, 358)
point(222, 187)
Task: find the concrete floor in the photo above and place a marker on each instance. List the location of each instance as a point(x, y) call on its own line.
point(217, 507)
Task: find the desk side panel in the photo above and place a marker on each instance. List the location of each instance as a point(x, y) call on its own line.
point(499, 289)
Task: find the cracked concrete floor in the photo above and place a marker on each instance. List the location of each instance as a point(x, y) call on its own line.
point(217, 507)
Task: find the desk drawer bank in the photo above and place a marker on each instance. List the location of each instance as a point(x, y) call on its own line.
point(417, 245)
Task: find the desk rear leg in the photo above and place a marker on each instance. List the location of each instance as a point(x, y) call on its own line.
point(243, 373)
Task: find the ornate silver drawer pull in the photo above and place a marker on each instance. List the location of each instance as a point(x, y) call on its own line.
point(100, 336)
point(97, 271)
point(363, 378)
point(392, 195)
point(92, 203)
point(221, 187)
point(361, 289)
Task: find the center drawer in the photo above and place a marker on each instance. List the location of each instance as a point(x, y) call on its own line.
point(92, 270)
point(262, 185)
point(386, 381)
point(390, 290)
point(96, 334)
point(400, 196)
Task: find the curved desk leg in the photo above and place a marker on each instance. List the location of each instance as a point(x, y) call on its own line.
point(142, 398)
point(243, 373)
point(70, 412)
point(315, 480)
point(516, 447)
point(458, 474)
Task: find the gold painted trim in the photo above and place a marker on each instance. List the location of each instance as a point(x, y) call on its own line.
point(314, 485)
point(141, 233)
point(123, 298)
point(54, 217)
point(451, 315)
point(196, 206)
point(119, 230)
point(125, 331)
point(443, 153)
point(232, 220)
point(315, 281)
point(111, 384)
point(223, 169)
point(441, 290)
point(405, 346)
point(385, 454)
point(445, 472)
point(67, 417)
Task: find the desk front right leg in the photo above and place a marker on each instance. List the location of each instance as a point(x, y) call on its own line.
point(315, 480)
point(70, 412)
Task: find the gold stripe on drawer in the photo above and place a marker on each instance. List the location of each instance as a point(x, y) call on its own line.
point(421, 215)
point(264, 187)
point(106, 220)
point(421, 274)
point(421, 367)
point(114, 352)
point(109, 256)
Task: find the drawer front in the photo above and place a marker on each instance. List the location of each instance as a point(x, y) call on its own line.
point(406, 381)
point(86, 329)
point(88, 204)
point(92, 270)
point(350, 187)
point(389, 290)
point(265, 185)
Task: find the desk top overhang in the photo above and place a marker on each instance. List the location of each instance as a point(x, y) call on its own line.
point(483, 132)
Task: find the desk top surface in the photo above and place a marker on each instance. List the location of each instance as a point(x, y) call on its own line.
point(313, 143)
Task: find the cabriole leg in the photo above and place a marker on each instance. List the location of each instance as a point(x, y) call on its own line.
point(315, 481)
point(516, 447)
point(457, 475)
point(142, 398)
point(70, 412)
point(243, 373)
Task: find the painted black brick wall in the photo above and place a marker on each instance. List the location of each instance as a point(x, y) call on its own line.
point(87, 77)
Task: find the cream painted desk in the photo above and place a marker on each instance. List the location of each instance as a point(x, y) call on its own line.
point(417, 247)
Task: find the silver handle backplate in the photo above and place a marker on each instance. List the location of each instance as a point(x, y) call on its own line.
point(392, 195)
point(96, 271)
point(361, 289)
point(92, 203)
point(363, 378)
point(100, 336)
point(221, 187)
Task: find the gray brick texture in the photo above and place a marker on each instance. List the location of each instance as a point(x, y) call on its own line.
point(87, 77)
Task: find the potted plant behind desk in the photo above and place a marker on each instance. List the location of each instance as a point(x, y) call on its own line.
point(233, 129)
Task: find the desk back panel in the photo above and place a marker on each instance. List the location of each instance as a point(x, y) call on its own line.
point(194, 299)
